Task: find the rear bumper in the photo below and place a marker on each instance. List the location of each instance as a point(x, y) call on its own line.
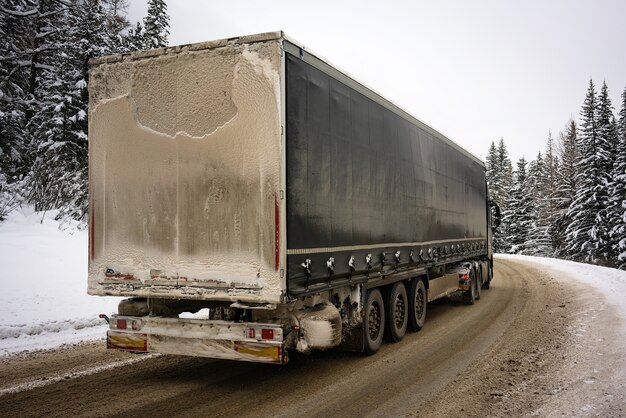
point(201, 338)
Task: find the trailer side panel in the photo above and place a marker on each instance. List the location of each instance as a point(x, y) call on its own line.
point(362, 179)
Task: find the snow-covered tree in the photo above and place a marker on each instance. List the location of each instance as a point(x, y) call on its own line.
point(587, 232)
point(550, 189)
point(617, 205)
point(45, 46)
point(59, 173)
point(19, 67)
point(116, 15)
point(519, 216)
point(566, 186)
point(156, 24)
point(608, 141)
point(538, 241)
point(134, 40)
point(499, 179)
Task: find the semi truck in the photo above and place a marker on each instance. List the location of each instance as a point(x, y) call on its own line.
point(249, 199)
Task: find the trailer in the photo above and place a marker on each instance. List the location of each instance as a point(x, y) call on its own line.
point(248, 198)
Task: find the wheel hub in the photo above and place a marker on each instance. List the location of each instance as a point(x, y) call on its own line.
point(419, 303)
point(374, 321)
point(399, 311)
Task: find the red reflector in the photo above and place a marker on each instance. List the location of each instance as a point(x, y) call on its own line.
point(464, 276)
point(121, 324)
point(250, 332)
point(267, 334)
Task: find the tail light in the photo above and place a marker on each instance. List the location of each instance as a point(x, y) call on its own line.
point(272, 334)
point(463, 276)
point(126, 323)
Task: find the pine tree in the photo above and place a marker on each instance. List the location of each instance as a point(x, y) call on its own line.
point(617, 206)
point(492, 168)
point(134, 40)
point(519, 212)
point(503, 190)
point(538, 241)
point(566, 186)
point(59, 174)
point(29, 26)
point(607, 142)
point(550, 190)
point(116, 15)
point(16, 57)
point(45, 48)
point(499, 175)
point(156, 24)
point(585, 233)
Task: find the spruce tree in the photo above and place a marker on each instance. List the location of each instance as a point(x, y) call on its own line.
point(519, 211)
point(538, 241)
point(607, 142)
point(156, 24)
point(583, 233)
point(503, 189)
point(617, 206)
point(492, 168)
point(566, 187)
point(116, 15)
point(499, 176)
point(17, 38)
point(59, 173)
point(45, 48)
point(549, 190)
point(134, 40)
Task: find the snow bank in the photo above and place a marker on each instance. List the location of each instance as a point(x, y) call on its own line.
point(610, 282)
point(44, 301)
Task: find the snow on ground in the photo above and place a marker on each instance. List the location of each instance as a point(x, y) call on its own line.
point(609, 282)
point(43, 296)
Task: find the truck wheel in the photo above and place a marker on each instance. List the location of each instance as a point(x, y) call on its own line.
point(397, 307)
point(470, 294)
point(374, 323)
point(417, 304)
point(487, 283)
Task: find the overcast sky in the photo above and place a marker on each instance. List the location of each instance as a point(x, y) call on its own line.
point(475, 70)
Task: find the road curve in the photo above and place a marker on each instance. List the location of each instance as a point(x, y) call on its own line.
point(500, 356)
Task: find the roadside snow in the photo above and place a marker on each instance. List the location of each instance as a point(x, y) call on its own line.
point(44, 301)
point(610, 282)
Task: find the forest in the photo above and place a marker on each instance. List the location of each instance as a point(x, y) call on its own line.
point(45, 50)
point(569, 202)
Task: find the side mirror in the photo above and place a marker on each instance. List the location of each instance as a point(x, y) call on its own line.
point(495, 215)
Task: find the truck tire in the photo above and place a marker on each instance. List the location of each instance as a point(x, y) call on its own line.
point(374, 321)
point(418, 301)
point(487, 283)
point(397, 305)
point(470, 294)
